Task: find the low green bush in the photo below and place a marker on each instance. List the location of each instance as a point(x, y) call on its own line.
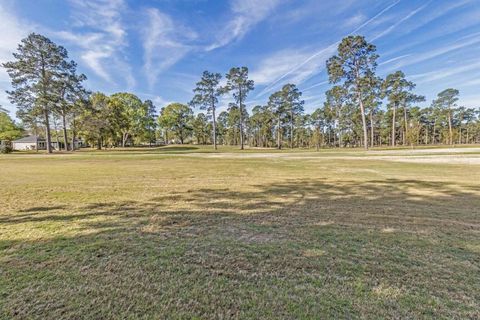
point(5, 149)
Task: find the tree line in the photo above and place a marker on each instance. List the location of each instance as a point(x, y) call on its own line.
point(360, 110)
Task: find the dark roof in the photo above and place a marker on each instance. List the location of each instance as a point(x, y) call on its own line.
point(30, 139)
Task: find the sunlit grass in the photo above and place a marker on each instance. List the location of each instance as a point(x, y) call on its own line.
point(181, 232)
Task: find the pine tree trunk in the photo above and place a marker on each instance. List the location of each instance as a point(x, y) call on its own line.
point(214, 128)
point(279, 140)
point(405, 123)
point(364, 122)
point(64, 127)
point(241, 117)
point(73, 133)
point(291, 129)
point(362, 110)
point(73, 140)
point(334, 138)
point(393, 124)
point(47, 128)
point(372, 133)
point(57, 138)
point(450, 130)
point(124, 139)
point(340, 138)
point(45, 110)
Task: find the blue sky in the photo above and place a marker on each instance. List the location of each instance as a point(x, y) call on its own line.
point(159, 48)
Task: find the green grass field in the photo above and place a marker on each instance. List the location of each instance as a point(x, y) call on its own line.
point(182, 232)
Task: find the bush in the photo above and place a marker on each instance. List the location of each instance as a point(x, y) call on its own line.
point(5, 149)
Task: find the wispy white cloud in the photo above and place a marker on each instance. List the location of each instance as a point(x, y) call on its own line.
point(286, 67)
point(432, 76)
point(470, 101)
point(443, 10)
point(105, 40)
point(355, 20)
point(399, 22)
point(246, 14)
point(165, 42)
point(276, 65)
point(415, 58)
point(316, 85)
point(472, 83)
point(394, 59)
point(375, 17)
point(15, 30)
point(322, 54)
point(160, 102)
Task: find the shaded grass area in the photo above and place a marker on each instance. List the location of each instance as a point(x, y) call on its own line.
point(179, 237)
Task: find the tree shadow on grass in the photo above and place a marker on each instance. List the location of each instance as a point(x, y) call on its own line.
point(378, 201)
point(178, 148)
point(42, 209)
point(282, 250)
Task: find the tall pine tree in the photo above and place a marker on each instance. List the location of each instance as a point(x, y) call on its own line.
point(36, 73)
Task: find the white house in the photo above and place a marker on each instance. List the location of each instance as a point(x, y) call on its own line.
point(38, 143)
point(29, 143)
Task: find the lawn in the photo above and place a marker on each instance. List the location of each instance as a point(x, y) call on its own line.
point(183, 232)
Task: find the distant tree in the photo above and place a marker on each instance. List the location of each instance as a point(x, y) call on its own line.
point(433, 118)
point(293, 106)
point(240, 85)
point(303, 132)
point(176, 117)
point(395, 88)
point(36, 74)
point(334, 106)
point(276, 104)
point(8, 129)
point(446, 102)
point(206, 96)
point(409, 100)
point(70, 92)
point(128, 114)
point(93, 121)
point(222, 127)
point(373, 102)
point(317, 120)
point(233, 124)
point(356, 61)
point(466, 118)
point(150, 121)
point(261, 122)
point(200, 128)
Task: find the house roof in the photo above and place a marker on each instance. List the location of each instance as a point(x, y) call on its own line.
point(29, 139)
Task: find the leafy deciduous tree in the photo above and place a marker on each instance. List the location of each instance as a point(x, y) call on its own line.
point(176, 117)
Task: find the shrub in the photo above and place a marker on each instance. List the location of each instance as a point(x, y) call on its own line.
point(5, 149)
